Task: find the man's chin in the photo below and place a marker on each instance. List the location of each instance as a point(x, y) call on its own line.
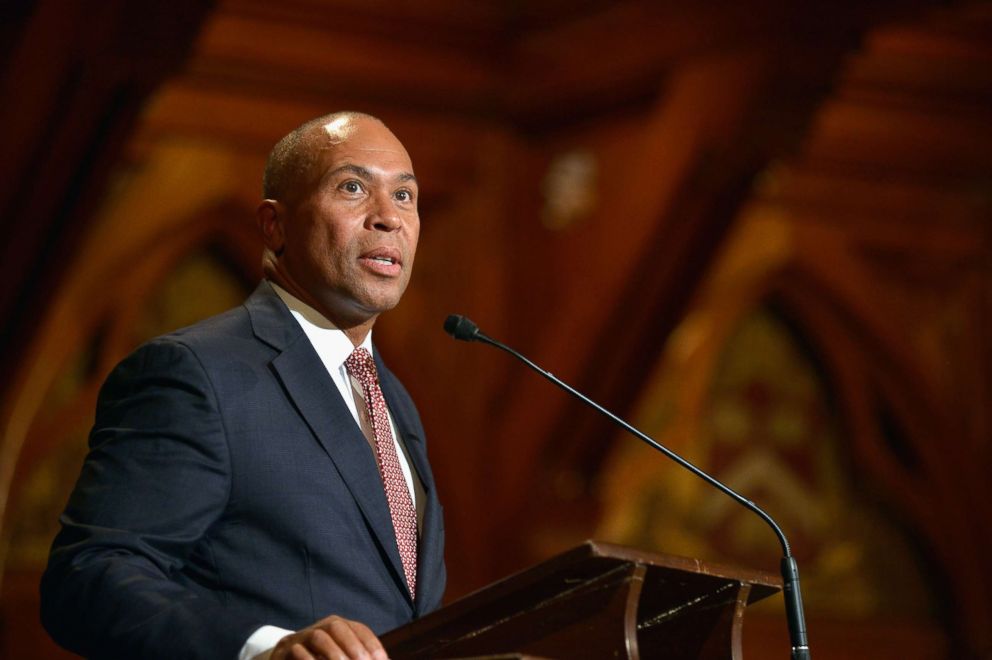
point(371, 306)
point(380, 305)
point(384, 297)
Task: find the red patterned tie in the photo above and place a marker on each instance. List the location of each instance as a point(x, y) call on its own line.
point(361, 366)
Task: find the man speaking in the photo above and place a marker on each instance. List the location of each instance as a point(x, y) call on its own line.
point(257, 484)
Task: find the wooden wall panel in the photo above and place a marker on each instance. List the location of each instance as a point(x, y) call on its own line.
point(72, 87)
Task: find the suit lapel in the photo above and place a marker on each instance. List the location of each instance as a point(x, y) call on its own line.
point(319, 403)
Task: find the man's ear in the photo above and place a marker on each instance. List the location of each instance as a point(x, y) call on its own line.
point(271, 218)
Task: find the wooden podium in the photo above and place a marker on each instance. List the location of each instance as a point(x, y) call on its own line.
point(595, 601)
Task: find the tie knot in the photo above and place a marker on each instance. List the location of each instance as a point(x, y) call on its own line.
point(361, 365)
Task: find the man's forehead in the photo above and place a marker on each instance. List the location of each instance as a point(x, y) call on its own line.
point(363, 132)
point(355, 139)
point(339, 130)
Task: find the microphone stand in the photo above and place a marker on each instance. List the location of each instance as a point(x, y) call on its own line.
point(464, 329)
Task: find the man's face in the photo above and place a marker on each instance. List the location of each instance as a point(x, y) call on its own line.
point(351, 233)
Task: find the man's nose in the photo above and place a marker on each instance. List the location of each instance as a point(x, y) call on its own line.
point(384, 215)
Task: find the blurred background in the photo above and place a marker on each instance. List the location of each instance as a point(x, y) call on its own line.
point(760, 229)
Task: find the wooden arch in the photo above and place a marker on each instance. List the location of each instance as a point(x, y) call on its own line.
point(935, 486)
point(102, 315)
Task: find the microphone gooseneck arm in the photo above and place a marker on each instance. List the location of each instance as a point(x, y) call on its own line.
point(464, 329)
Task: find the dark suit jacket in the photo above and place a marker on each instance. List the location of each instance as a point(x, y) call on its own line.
point(228, 486)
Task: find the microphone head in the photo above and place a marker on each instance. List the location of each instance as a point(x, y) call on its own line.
point(461, 328)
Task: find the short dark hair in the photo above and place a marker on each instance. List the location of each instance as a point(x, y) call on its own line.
point(294, 155)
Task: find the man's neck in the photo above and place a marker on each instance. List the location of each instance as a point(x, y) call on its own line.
point(356, 334)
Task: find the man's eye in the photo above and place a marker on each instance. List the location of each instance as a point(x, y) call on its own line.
point(351, 186)
point(403, 195)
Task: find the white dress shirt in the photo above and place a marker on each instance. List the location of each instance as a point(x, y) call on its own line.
point(333, 347)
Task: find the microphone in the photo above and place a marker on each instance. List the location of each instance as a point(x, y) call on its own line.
point(464, 329)
point(461, 328)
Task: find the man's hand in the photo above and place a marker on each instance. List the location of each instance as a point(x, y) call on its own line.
point(332, 638)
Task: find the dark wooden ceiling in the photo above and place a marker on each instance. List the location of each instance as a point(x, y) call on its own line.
point(75, 76)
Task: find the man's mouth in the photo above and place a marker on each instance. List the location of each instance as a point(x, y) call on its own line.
point(384, 261)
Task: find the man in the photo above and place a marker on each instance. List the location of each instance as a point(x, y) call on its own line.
point(261, 473)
